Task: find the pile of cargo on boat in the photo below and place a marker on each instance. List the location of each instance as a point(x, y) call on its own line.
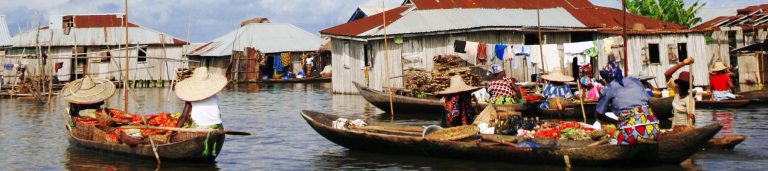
point(445, 66)
point(108, 126)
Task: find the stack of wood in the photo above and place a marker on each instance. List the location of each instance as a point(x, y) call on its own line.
point(439, 79)
point(183, 73)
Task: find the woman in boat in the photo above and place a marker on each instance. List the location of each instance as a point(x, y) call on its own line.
point(86, 95)
point(720, 82)
point(627, 98)
point(501, 88)
point(202, 103)
point(556, 88)
point(457, 107)
point(682, 117)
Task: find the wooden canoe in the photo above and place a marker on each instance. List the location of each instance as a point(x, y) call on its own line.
point(756, 96)
point(393, 143)
point(662, 107)
point(677, 147)
point(573, 111)
point(413, 105)
point(297, 80)
point(725, 142)
point(184, 146)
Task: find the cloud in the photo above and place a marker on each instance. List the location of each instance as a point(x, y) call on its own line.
point(213, 18)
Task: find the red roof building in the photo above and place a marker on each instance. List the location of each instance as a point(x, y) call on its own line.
point(422, 29)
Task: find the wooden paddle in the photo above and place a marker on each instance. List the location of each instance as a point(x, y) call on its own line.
point(691, 102)
point(228, 132)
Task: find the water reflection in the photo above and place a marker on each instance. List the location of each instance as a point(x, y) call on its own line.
point(32, 136)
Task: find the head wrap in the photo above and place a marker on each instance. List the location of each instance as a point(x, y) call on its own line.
point(496, 68)
point(586, 81)
point(612, 73)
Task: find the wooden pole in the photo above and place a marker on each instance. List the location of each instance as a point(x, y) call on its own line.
point(541, 41)
point(125, 87)
point(386, 63)
point(691, 103)
point(126, 78)
point(581, 95)
point(624, 37)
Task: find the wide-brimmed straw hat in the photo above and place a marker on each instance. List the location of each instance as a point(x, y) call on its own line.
point(718, 66)
point(88, 90)
point(557, 75)
point(200, 85)
point(457, 86)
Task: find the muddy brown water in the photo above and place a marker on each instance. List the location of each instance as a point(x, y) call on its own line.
point(32, 136)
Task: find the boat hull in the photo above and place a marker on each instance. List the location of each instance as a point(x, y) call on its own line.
point(475, 150)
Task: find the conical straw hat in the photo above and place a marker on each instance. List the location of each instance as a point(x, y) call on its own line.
point(557, 75)
point(200, 85)
point(457, 86)
point(718, 66)
point(88, 90)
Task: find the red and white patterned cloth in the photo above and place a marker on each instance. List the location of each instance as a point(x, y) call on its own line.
point(501, 88)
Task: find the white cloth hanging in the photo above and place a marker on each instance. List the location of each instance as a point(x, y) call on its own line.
point(552, 58)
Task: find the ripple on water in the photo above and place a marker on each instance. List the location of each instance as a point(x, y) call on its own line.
point(32, 136)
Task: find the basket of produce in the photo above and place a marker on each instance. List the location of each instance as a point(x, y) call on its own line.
point(454, 133)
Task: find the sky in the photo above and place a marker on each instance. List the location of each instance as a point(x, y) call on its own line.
point(213, 18)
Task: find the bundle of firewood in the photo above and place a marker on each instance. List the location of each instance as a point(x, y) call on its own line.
point(445, 66)
point(183, 73)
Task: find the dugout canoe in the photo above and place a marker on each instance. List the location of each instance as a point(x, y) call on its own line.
point(413, 105)
point(725, 142)
point(677, 147)
point(662, 107)
point(185, 146)
point(756, 95)
point(409, 144)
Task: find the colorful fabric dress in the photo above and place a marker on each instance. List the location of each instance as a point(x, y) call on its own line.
point(502, 91)
point(458, 110)
point(636, 125)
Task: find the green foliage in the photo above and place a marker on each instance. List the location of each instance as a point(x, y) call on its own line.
point(673, 11)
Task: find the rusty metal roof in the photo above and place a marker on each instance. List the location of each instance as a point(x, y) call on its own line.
point(5, 35)
point(265, 37)
point(752, 17)
point(602, 19)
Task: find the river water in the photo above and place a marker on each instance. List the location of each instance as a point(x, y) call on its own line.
point(32, 135)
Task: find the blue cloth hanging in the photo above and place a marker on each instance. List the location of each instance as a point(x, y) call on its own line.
point(277, 64)
point(8, 66)
point(500, 48)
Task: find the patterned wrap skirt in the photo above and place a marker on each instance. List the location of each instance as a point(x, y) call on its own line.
point(637, 124)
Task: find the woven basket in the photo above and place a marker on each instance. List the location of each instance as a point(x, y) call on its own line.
point(454, 133)
point(83, 131)
point(99, 135)
point(184, 136)
point(103, 117)
point(159, 139)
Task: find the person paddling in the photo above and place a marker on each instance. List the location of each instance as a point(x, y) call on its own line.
point(680, 104)
point(202, 103)
point(457, 106)
point(627, 98)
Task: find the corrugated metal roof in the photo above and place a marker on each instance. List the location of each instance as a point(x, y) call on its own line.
point(265, 37)
point(106, 36)
point(595, 17)
point(424, 21)
point(5, 35)
point(752, 17)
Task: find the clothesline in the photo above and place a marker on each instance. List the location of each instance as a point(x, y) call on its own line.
point(481, 52)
